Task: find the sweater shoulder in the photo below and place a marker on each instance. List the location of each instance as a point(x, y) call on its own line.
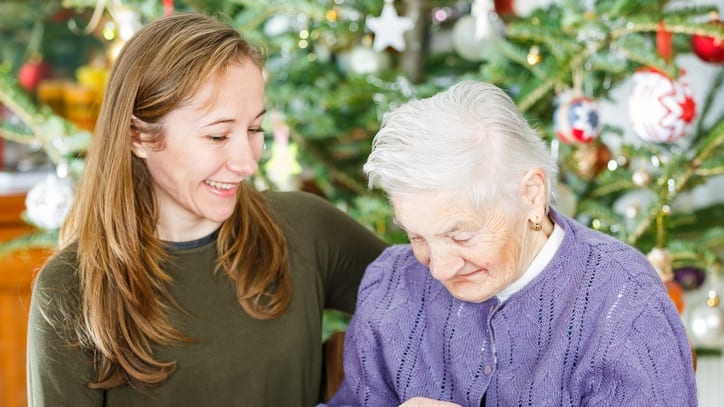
point(59, 271)
point(395, 275)
point(606, 253)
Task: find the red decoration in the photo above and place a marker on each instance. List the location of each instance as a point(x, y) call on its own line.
point(664, 39)
point(577, 120)
point(661, 109)
point(32, 72)
point(509, 9)
point(167, 7)
point(709, 49)
point(676, 293)
point(504, 7)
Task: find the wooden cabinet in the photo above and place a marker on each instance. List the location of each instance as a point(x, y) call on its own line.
point(17, 270)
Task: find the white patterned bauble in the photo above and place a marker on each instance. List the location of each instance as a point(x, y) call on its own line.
point(660, 109)
point(48, 202)
point(707, 325)
point(577, 120)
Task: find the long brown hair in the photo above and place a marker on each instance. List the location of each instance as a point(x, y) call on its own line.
point(123, 288)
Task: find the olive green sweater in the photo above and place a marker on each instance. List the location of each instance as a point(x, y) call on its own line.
point(233, 359)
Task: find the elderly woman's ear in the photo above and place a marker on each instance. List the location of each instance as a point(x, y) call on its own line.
point(534, 194)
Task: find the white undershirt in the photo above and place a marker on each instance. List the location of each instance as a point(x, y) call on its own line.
point(541, 260)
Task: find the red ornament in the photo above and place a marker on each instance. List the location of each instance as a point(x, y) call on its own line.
point(709, 49)
point(167, 7)
point(577, 120)
point(509, 9)
point(661, 109)
point(676, 293)
point(664, 42)
point(32, 72)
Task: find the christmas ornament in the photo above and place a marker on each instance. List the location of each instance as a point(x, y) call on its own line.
point(664, 42)
point(167, 7)
point(577, 120)
point(660, 108)
point(482, 11)
point(467, 44)
point(362, 60)
point(48, 202)
point(707, 321)
point(709, 49)
point(33, 71)
point(663, 261)
point(689, 278)
point(389, 28)
point(590, 159)
point(519, 8)
point(641, 178)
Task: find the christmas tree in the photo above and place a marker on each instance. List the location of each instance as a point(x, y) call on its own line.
point(336, 66)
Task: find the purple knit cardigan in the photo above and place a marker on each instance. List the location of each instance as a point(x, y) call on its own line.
point(595, 328)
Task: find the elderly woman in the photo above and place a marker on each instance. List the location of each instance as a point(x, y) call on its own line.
point(499, 299)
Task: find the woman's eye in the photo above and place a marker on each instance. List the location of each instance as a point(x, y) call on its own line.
point(461, 239)
point(256, 130)
point(218, 139)
point(415, 239)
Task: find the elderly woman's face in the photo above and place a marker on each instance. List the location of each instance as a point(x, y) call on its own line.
point(473, 255)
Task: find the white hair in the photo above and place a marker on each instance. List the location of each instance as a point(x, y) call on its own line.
point(471, 137)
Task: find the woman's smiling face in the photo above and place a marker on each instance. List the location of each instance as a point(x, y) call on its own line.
point(473, 255)
point(210, 145)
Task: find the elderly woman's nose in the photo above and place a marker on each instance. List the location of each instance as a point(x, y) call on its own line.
point(444, 264)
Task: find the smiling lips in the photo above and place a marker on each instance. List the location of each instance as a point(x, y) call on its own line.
point(221, 185)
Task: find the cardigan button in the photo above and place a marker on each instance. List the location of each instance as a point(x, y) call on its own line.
point(488, 369)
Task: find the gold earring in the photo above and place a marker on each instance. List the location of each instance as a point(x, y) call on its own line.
point(536, 225)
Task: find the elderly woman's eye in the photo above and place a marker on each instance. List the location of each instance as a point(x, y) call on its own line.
point(462, 238)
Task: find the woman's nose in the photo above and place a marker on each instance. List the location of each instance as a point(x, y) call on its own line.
point(444, 264)
point(241, 159)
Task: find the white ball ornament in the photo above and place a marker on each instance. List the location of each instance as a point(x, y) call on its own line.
point(469, 45)
point(48, 202)
point(660, 109)
point(707, 325)
point(362, 60)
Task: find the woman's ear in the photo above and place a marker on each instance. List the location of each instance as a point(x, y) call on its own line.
point(534, 192)
point(137, 145)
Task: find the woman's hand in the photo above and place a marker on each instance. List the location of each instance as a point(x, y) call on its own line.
point(425, 402)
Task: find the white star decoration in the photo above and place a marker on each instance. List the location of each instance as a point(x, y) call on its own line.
point(389, 28)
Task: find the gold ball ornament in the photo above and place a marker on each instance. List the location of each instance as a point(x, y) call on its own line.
point(590, 159)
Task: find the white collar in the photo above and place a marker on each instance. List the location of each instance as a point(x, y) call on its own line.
point(541, 260)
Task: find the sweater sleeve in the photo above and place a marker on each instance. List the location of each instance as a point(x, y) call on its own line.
point(57, 372)
point(340, 246)
point(648, 362)
point(365, 380)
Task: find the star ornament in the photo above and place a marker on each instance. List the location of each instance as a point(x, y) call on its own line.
point(389, 28)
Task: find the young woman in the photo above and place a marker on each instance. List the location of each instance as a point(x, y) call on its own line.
point(176, 282)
